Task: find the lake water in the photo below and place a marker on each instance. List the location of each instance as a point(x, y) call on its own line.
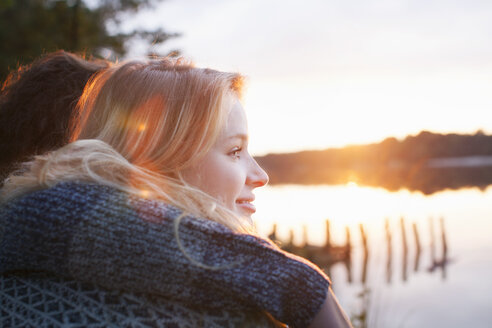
point(396, 291)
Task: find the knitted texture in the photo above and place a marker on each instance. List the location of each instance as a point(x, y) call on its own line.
point(96, 234)
point(40, 300)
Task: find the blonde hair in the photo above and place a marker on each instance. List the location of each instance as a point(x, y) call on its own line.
point(137, 126)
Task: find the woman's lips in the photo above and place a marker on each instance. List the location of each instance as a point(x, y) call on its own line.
point(246, 205)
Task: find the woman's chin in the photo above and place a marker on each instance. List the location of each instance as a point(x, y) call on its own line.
point(245, 215)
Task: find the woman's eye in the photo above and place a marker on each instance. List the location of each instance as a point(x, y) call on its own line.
point(235, 152)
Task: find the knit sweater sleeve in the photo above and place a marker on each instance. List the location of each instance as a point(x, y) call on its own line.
point(96, 234)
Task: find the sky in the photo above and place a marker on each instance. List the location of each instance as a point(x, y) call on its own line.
point(330, 73)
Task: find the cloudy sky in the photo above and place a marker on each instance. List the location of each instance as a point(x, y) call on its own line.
point(327, 73)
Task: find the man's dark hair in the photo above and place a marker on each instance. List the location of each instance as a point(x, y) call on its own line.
point(36, 105)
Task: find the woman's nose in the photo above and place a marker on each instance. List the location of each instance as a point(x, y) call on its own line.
point(257, 177)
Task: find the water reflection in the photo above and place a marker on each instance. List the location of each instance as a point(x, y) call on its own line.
point(329, 254)
point(442, 262)
point(371, 287)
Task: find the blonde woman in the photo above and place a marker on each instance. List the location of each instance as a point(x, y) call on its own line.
point(152, 202)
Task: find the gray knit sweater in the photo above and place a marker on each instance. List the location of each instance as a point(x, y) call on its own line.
point(97, 235)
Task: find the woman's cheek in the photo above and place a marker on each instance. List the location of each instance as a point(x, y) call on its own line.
point(233, 185)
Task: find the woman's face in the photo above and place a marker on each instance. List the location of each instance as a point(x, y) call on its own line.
point(228, 172)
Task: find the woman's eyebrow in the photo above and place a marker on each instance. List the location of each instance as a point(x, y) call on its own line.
point(241, 136)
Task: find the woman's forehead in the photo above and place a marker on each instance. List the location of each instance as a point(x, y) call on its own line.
point(236, 122)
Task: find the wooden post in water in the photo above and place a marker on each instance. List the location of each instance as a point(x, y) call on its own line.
point(348, 254)
point(418, 247)
point(443, 261)
point(366, 253)
point(348, 243)
point(433, 242)
point(305, 235)
point(364, 240)
point(444, 249)
point(273, 235)
point(328, 235)
point(290, 247)
point(405, 249)
point(389, 252)
point(444, 241)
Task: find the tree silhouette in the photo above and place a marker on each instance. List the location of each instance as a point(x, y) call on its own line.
point(29, 28)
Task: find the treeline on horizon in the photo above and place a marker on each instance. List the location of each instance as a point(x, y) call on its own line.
point(392, 163)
